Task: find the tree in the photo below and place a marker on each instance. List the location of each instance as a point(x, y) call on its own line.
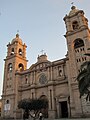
point(34, 106)
point(24, 104)
point(83, 79)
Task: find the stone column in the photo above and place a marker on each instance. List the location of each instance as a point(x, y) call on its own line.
point(48, 72)
point(51, 72)
point(51, 102)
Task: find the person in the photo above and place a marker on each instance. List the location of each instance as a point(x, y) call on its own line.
point(26, 115)
point(34, 116)
point(40, 116)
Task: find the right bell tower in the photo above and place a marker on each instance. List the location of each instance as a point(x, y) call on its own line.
point(77, 36)
point(78, 41)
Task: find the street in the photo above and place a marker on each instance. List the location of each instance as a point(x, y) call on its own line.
point(53, 119)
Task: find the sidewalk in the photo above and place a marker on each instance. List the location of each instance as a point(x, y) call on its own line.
point(52, 119)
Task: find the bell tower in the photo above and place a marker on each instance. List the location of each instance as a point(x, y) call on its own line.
point(15, 61)
point(77, 37)
point(78, 41)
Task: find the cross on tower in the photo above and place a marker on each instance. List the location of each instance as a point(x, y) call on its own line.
point(17, 31)
point(72, 3)
point(42, 51)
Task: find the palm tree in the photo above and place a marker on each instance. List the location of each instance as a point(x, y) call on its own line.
point(83, 79)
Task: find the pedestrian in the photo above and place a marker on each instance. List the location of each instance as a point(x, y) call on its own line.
point(26, 115)
point(40, 116)
point(34, 116)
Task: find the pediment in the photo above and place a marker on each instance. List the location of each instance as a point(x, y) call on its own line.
point(40, 65)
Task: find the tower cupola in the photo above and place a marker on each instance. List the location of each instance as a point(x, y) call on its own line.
point(16, 47)
point(73, 11)
point(75, 20)
point(17, 40)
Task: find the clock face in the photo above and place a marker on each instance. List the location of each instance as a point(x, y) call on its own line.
point(43, 79)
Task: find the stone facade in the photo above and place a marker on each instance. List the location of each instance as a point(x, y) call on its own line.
point(54, 81)
point(0, 106)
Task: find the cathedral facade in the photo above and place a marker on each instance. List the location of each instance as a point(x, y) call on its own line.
point(54, 81)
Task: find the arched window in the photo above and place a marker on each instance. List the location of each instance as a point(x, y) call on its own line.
point(12, 52)
point(21, 67)
point(78, 43)
point(20, 51)
point(7, 101)
point(60, 72)
point(10, 67)
point(26, 80)
point(75, 25)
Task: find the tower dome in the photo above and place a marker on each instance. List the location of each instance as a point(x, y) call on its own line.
point(17, 39)
point(73, 11)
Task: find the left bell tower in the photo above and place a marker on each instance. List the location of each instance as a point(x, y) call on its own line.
point(14, 61)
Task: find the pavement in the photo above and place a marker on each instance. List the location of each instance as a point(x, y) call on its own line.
point(52, 119)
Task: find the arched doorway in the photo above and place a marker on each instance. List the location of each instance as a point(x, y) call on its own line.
point(45, 110)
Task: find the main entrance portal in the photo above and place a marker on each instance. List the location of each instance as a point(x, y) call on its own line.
point(63, 109)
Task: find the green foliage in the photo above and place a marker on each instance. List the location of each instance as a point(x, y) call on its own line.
point(37, 104)
point(24, 104)
point(33, 105)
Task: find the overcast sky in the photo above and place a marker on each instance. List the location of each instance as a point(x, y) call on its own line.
point(40, 25)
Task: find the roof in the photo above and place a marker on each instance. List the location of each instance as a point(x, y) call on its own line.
point(73, 11)
point(17, 39)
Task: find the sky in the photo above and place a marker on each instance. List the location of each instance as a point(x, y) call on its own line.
point(40, 25)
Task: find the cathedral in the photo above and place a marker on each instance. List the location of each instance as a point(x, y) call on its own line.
point(54, 81)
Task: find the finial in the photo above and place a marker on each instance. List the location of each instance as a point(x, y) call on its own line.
point(42, 51)
point(72, 3)
point(73, 7)
point(17, 31)
point(17, 35)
